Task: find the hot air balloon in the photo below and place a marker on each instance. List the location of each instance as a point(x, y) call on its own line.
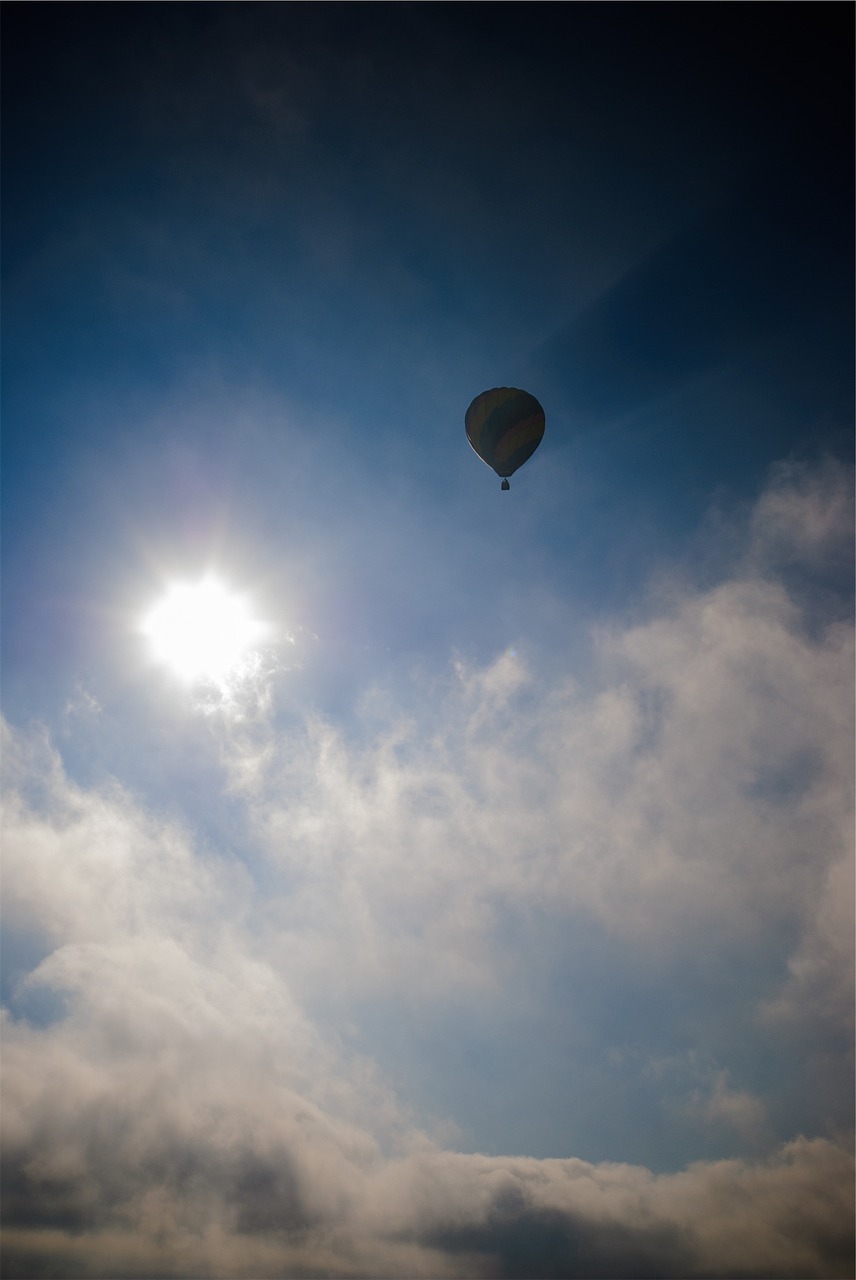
point(505, 427)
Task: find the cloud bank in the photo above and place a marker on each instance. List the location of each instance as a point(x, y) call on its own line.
point(183, 1094)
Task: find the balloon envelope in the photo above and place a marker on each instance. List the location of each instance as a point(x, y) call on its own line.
point(505, 427)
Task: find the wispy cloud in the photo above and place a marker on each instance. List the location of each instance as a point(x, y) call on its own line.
point(194, 1102)
point(700, 778)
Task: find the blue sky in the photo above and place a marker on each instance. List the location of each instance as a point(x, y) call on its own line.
point(492, 915)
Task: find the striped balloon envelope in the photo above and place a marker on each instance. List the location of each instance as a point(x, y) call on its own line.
point(505, 427)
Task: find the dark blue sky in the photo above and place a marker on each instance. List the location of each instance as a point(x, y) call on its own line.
point(521, 838)
point(644, 212)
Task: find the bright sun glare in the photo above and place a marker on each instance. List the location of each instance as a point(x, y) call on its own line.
point(202, 630)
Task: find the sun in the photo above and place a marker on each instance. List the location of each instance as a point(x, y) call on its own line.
point(202, 631)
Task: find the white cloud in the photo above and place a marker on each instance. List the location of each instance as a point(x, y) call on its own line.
point(803, 517)
point(185, 1113)
point(698, 792)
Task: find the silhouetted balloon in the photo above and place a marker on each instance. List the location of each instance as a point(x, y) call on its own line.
point(505, 427)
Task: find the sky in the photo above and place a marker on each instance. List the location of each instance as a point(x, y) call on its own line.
point(461, 884)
